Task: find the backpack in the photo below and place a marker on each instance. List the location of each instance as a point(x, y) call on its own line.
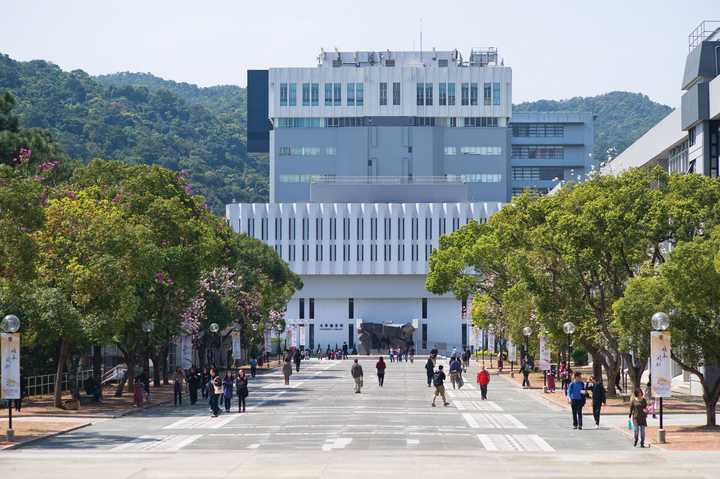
point(437, 379)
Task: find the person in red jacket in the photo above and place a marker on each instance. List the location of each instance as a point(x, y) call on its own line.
point(483, 378)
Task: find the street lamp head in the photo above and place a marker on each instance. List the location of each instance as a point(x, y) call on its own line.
point(148, 326)
point(660, 321)
point(569, 327)
point(491, 329)
point(254, 327)
point(214, 328)
point(527, 331)
point(10, 323)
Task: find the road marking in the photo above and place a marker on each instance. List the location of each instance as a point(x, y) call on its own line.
point(337, 443)
point(167, 443)
point(477, 405)
point(493, 421)
point(412, 442)
point(253, 446)
point(514, 442)
point(464, 394)
point(201, 422)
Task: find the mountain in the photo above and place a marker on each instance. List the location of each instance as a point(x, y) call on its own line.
point(198, 131)
point(620, 117)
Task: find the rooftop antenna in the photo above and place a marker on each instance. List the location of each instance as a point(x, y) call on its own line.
point(421, 51)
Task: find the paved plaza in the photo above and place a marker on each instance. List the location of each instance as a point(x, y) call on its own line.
point(317, 427)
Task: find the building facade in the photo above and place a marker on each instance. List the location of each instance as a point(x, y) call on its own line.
point(373, 157)
point(686, 140)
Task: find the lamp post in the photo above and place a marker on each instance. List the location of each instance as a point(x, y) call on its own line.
point(213, 328)
point(527, 331)
point(147, 326)
point(569, 329)
point(660, 322)
point(491, 336)
point(11, 366)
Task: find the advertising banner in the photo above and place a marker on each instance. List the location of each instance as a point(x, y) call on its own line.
point(186, 352)
point(10, 366)
point(236, 346)
point(512, 351)
point(544, 356)
point(302, 334)
point(661, 365)
point(491, 342)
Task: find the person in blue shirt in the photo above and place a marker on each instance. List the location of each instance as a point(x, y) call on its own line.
point(576, 396)
point(253, 366)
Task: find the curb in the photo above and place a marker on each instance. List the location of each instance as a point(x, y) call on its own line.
point(20, 444)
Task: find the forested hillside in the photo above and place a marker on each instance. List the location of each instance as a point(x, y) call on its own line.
point(136, 124)
point(621, 117)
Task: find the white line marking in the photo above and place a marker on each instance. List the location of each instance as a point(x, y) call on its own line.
point(253, 446)
point(471, 421)
point(412, 442)
point(201, 422)
point(158, 443)
point(493, 421)
point(514, 442)
point(338, 443)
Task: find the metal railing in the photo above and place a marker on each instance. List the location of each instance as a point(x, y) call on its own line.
point(702, 32)
point(386, 180)
point(45, 383)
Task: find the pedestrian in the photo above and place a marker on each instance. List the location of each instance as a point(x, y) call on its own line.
point(391, 355)
point(357, 373)
point(526, 368)
point(576, 397)
point(638, 415)
point(241, 386)
point(380, 366)
point(204, 380)
point(215, 389)
point(412, 355)
point(253, 366)
point(550, 382)
point(438, 380)
point(344, 351)
point(138, 391)
point(179, 381)
point(193, 382)
point(500, 362)
point(483, 379)
point(297, 358)
point(228, 389)
point(429, 370)
point(455, 370)
point(599, 398)
point(287, 371)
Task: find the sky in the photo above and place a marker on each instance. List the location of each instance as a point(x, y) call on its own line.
point(557, 49)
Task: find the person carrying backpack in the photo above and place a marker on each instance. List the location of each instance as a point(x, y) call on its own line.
point(455, 371)
point(429, 370)
point(357, 373)
point(439, 383)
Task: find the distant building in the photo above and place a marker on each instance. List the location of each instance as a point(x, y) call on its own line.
point(685, 141)
point(373, 157)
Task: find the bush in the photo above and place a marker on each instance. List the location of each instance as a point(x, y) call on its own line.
point(580, 357)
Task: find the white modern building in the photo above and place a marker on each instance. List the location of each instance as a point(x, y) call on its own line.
point(373, 157)
point(686, 140)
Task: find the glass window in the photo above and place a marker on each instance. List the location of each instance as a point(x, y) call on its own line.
point(442, 94)
point(396, 93)
point(481, 150)
point(283, 94)
point(306, 94)
point(450, 150)
point(496, 93)
point(359, 94)
point(465, 94)
point(328, 94)
point(428, 94)
point(487, 94)
point(383, 93)
point(451, 93)
point(315, 94)
point(292, 95)
point(473, 94)
point(420, 94)
point(539, 152)
point(350, 97)
point(337, 94)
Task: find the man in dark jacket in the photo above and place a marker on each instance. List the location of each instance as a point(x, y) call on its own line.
point(429, 370)
point(599, 398)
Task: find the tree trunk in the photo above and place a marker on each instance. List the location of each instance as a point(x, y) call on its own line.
point(635, 371)
point(612, 368)
point(164, 351)
point(156, 370)
point(62, 357)
point(597, 364)
point(710, 411)
point(98, 366)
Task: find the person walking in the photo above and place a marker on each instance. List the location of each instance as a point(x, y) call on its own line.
point(345, 351)
point(380, 366)
point(227, 389)
point(525, 369)
point(241, 386)
point(215, 389)
point(638, 415)
point(193, 383)
point(500, 362)
point(204, 380)
point(253, 366)
point(429, 370)
point(576, 397)
point(287, 371)
point(357, 373)
point(438, 380)
point(455, 370)
point(483, 379)
point(179, 381)
point(298, 357)
point(138, 391)
point(599, 398)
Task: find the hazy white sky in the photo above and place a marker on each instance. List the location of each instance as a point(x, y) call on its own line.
point(557, 49)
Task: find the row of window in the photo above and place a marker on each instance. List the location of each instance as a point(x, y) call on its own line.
point(474, 150)
point(347, 252)
point(306, 151)
point(477, 178)
point(468, 94)
point(537, 173)
point(359, 228)
point(355, 93)
point(540, 152)
point(305, 178)
point(354, 121)
point(539, 130)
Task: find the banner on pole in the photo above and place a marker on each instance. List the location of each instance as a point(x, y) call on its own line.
point(236, 346)
point(491, 342)
point(10, 366)
point(293, 335)
point(661, 372)
point(512, 351)
point(544, 359)
point(186, 352)
point(302, 334)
